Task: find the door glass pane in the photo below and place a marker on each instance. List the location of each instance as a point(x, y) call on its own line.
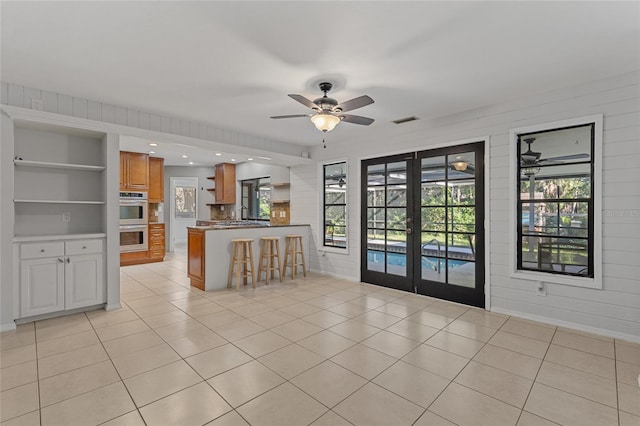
point(433, 219)
point(462, 166)
point(462, 192)
point(375, 260)
point(397, 173)
point(185, 202)
point(462, 219)
point(397, 195)
point(397, 218)
point(461, 272)
point(375, 196)
point(375, 175)
point(397, 253)
point(433, 169)
point(432, 194)
point(432, 253)
point(375, 218)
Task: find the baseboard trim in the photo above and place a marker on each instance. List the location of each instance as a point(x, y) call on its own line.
point(8, 327)
point(568, 324)
point(112, 306)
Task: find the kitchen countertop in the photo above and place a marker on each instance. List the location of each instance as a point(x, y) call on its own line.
point(214, 225)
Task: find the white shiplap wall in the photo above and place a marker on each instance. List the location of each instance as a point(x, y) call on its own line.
point(614, 310)
point(58, 103)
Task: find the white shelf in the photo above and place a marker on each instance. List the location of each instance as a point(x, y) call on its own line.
point(65, 166)
point(56, 237)
point(57, 201)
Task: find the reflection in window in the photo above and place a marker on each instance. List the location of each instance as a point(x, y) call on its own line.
point(185, 197)
point(555, 201)
point(335, 205)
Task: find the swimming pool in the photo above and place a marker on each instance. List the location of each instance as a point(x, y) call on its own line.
point(400, 259)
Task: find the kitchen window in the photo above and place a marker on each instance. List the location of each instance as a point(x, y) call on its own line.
point(335, 205)
point(256, 198)
point(557, 219)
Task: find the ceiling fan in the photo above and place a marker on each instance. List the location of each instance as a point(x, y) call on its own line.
point(327, 112)
point(532, 158)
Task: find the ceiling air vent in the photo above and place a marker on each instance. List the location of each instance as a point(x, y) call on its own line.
point(405, 120)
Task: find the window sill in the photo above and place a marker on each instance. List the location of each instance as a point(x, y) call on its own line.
point(336, 250)
point(595, 283)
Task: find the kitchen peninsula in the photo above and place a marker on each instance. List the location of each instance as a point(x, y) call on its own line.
point(209, 247)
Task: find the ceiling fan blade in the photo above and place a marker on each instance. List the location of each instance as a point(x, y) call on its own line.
point(290, 116)
point(356, 119)
point(304, 101)
point(355, 103)
point(565, 157)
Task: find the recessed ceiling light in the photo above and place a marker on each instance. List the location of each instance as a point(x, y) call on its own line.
point(218, 154)
point(249, 159)
point(153, 144)
point(191, 163)
point(152, 152)
point(185, 156)
point(233, 159)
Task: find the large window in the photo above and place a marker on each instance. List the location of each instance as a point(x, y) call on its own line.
point(555, 201)
point(185, 197)
point(256, 199)
point(335, 205)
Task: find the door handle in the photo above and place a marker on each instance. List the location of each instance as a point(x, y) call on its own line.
point(409, 230)
point(60, 260)
point(68, 260)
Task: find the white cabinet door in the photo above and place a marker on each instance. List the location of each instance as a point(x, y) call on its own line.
point(42, 286)
point(84, 281)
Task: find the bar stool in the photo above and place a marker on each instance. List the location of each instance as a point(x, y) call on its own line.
point(241, 265)
point(269, 257)
point(293, 248)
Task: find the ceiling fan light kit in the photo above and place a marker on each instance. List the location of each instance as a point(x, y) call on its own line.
point(460, 166)
point(325, 122)
point(328, 113)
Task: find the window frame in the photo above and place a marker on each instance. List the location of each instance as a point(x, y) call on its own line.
point(322, 170)
point(594, 238)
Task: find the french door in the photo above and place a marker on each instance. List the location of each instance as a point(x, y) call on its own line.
point(423, 222)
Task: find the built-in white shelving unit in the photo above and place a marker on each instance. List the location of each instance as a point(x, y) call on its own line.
point(59, 180)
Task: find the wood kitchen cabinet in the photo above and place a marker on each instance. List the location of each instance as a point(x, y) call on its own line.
point(225, 183)
point(156, 242)
point(196, 257)
point(156, 180)
point(134, 171)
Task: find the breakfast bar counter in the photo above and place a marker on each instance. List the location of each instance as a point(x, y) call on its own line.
point(209, 248)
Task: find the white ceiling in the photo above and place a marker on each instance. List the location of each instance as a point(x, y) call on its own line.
point(232, 64)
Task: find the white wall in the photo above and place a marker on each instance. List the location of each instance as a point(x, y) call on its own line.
point(614, 310)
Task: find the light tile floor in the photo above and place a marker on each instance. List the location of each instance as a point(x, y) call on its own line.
point(313, 350)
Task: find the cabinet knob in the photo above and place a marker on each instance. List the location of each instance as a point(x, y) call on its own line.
point(41, 250)
point(84, 247)
point(60, 260)
point(68, 260)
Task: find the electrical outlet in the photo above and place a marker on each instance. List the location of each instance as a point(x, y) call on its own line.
point(541, 289)
point(36, 104)
point(66, 217)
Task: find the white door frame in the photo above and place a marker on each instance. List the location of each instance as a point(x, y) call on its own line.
point(179, 181)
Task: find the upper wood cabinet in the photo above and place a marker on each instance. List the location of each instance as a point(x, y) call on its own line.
point(225, 183)
point(156, 180)
point(134, 171)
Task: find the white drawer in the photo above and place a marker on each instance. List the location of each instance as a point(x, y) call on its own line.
point(83, 247)
point(40, 250)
